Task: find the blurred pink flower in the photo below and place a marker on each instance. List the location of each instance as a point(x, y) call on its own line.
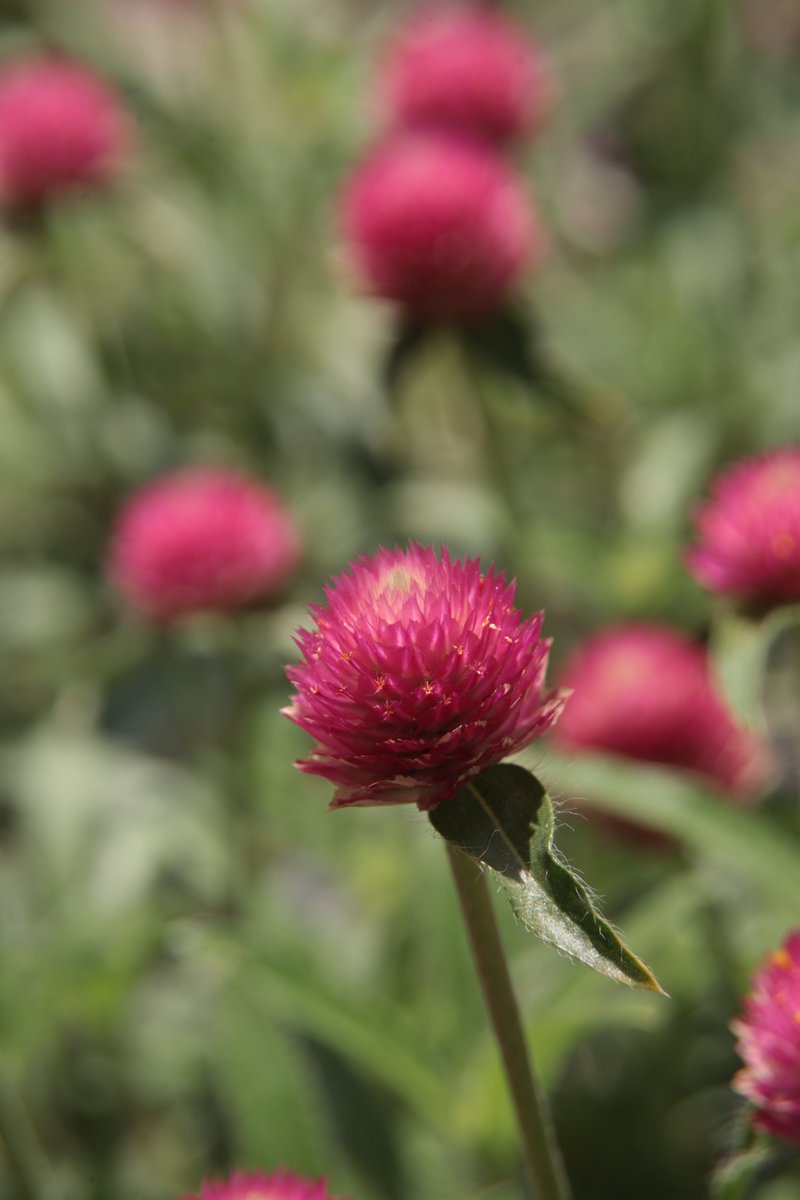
point(419, 675)
point(467, 69)
point(645, 692)
point(280, 1185)
point(749, 531)
point(199, 539)
point(62, 129)
point(769, 1043)
point(439, 225)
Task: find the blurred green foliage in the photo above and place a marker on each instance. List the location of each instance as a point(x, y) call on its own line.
point(200, 968)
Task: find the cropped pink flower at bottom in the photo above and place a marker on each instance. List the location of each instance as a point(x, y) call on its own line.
point(420, 674)
point(280, 1185)
point(769, 1043)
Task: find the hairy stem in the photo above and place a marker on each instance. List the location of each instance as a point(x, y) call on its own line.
point(539, 1145)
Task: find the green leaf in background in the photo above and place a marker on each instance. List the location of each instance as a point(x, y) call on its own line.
point(740, 649)
point(507, 343)
point(739, 840)
point(410, 339)
point(504, 819)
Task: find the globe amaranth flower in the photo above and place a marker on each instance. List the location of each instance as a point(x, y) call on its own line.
point(439, 225)
point(202, 538)
point(769, 1043)
point(420, 673)
point(645, 692)
point(62, 129)
point(749, 531)
point(467, 69)
point(280, 1185)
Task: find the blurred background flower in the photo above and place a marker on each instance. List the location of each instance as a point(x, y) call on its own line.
point(201, 539)
point(749, 532)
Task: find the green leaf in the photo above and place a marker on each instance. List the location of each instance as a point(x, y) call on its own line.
point(504, 819)
point(740, 841)
point(740, 646)
point(741, 1176)
point(509, 344)
point(411, 339)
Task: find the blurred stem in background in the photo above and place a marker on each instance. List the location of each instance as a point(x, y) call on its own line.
point(539, 1144)
point(19, 1147)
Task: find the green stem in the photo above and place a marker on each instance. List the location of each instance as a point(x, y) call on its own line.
point(539, 1144)
point(18, 1148)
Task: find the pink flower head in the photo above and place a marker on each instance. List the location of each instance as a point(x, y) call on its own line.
point(420, 674)
point(466, 69)
point(749, 531)
point(199, 539)
point(439, 225)
point(769, 1043)
point(280, 1185)
point(62, 129)
point(645, 692)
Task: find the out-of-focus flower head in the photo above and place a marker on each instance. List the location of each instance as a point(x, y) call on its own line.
point(280, 1185)
point(467, 69)
point(645, 692)
point(419, 675)
point(62, 130)
point(438, 224)
point(201, 539)
point(749, 531)
point(769, 1043)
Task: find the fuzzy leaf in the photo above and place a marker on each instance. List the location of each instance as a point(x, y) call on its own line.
point(504, 819)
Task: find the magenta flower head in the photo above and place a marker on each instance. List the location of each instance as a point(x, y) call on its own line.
point(201, 539)
point(280, 1185)
point(439, 225)
point(467, 69)
point(62, 130)
point(645, 692)
point(749, 532)
point(419, 675)
point(769, 1043)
